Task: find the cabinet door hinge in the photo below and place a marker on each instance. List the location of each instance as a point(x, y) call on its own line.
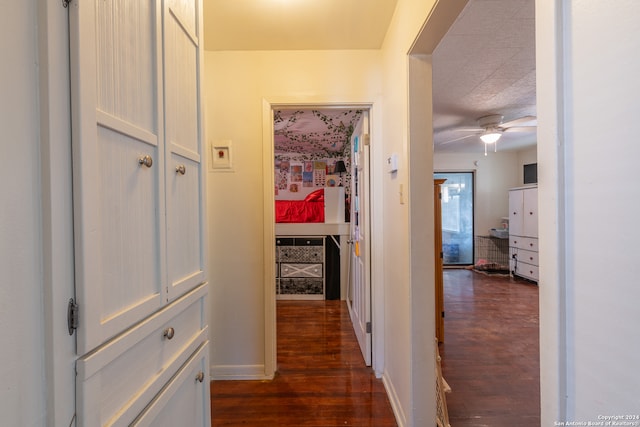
point(368, 326)
point(72, 316)
point(443, 314)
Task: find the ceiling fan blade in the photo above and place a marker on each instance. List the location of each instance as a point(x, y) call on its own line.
point(469, 129)
point(515, 122)
point(455, 139)
point(521, 129)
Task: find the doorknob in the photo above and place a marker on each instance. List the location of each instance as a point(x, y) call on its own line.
point(181, 169)
point(145, 160)
point(168, 333)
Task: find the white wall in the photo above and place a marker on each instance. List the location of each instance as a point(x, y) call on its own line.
point(589, 203)
point(495, 174)
point(236, 84)
point(22, 394)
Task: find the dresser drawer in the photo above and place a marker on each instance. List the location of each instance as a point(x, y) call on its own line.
point(300, 270)
point(301, 254)
point(301, 286)
point(523, 255)
point(527, 271)
point(117, 381)
point(528, 243)
point(185, 400)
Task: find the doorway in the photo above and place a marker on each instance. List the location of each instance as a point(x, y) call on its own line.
point(319, 171)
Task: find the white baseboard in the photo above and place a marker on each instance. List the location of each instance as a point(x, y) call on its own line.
point(238, 372)
point(401, 419)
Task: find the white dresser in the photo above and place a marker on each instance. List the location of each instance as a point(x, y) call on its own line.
point(523, 232)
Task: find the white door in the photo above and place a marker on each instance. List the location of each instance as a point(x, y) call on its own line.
point(118, 156)
point(359, 293)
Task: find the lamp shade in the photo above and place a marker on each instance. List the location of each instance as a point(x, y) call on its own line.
point(490, 136)
point(340, 167)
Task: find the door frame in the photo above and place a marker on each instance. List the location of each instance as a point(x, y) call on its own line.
point(270, 326)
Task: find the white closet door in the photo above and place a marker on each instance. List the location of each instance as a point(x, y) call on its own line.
point(182, 66)
point(116, 117)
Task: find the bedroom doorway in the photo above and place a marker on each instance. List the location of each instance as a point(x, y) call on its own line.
point(315, 253)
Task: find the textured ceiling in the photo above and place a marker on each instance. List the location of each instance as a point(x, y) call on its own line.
point(484, 65)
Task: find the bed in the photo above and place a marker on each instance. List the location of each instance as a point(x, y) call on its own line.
point(309, 210)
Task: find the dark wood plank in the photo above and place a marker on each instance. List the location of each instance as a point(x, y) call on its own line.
point(321, 379)
point(490, 356)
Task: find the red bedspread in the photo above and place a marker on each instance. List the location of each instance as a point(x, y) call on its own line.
point(309, 210)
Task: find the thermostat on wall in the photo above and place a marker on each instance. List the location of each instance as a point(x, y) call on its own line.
point(392, 163)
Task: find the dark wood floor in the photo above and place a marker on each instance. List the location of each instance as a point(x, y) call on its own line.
point(490, 359)
point(490, 356)
point(321, 379)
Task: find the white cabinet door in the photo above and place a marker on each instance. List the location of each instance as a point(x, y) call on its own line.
point(530, 212)
point(515, 212)
point(183, 124)
point(118, 161)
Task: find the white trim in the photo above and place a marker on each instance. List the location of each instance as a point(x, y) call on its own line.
point(268, 161)
point(394, 400)
point(551, 228)
point(239, 372)
point(270, 336)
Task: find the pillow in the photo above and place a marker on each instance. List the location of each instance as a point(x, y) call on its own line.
point(316, 196)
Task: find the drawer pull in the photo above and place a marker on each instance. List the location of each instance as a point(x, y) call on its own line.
point(169, 333)
point(181, 169)
point(200, 377)
point(145, 160)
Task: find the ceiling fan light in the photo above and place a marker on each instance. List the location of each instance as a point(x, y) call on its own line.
point(490, 136)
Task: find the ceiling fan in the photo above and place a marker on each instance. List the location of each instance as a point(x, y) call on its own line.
point(490, 129)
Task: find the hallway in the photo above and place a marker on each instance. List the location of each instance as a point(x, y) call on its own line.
point(490, 356)
point(321, 378)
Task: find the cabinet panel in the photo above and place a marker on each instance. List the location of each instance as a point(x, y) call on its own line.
point(515, 212)
point(118, 380)
point(185, 262)
point(129, 230)
point(181, 67)
point(118, 202)
point(185, 399)
point(530, 212)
